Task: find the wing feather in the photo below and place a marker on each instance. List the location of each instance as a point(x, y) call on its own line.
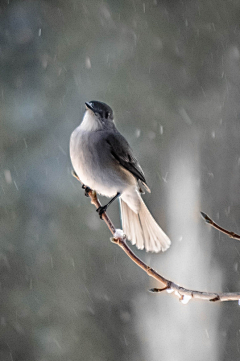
point(122, 152)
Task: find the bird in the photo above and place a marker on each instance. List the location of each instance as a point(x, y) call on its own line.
point(104, 162)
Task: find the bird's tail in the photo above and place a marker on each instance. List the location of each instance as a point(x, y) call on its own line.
point(141, 229)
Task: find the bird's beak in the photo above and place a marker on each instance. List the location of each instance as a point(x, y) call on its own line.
point(88, 106)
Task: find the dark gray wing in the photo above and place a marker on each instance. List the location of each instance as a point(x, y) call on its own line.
point(122, 152)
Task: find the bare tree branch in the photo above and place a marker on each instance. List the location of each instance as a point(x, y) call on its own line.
point(215, 225)
point(183, 294)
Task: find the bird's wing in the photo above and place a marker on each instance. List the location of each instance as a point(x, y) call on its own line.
point(121, 151)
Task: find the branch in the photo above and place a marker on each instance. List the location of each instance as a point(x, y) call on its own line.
point(215, 225)
point(183, 294)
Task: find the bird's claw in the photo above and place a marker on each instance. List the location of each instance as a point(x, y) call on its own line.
point(87, 190)
point(101, 210)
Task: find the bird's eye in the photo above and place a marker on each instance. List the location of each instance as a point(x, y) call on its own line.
point(107, 115)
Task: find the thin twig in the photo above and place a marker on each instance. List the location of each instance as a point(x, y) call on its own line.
point(221, 229)
point(183, 294)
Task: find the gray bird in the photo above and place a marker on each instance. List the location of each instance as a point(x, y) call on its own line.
point(104, 162)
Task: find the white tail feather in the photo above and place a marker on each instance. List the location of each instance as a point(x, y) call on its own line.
point(141, 229)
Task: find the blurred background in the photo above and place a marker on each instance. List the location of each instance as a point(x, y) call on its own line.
point(171, 72)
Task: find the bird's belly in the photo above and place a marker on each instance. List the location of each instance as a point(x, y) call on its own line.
point(105, 177)
point(96, 180)
point(103, 182)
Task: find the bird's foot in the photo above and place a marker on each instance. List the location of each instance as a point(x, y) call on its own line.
point(101, 210)
point(87, 190)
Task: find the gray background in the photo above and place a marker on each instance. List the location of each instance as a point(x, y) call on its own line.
point(171, 72)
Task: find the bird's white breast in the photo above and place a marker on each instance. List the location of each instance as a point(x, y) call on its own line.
point(89, 122)
point(94, 164)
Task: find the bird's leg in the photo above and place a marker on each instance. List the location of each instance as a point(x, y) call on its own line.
point(103, 209)
point(87, 190)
